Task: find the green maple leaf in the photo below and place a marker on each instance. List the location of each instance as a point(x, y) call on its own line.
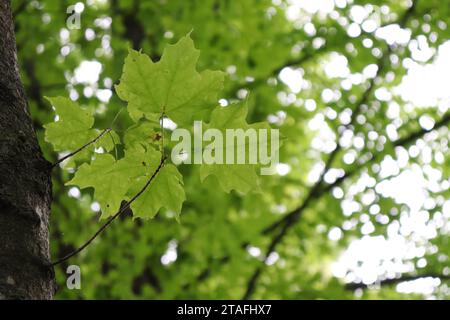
point(108, 141)
point(240, 177)
point(74, 128)
point(168, 192)
point(109, 183)
point(171, 86)
point(141, 133)
point(114, 181)
point(111, 179)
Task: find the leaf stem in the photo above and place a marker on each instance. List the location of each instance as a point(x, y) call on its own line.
point(81, 148)
point(161, 121)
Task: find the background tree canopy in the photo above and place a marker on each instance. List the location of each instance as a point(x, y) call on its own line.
point(360, 91)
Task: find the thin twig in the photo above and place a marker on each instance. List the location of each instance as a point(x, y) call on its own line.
point(161, 121)
point(403, 278)
point(419, 133)
point(402, 142)
point(110, 220)
point(82, 147)
point(116, 117)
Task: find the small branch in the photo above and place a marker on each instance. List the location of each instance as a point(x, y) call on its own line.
point(419, 133)
point(273, 73)
point(402, 142)
point(354, 286)
point(110, 220)
point(81, 148)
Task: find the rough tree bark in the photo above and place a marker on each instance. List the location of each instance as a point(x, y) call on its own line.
point(25, 184)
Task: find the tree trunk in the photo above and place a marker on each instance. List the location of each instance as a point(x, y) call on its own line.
point(25, 184)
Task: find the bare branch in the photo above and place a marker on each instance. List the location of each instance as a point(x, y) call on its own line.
point(402, 142)
point(273, 73)
point(419, 133)
point(404, 278)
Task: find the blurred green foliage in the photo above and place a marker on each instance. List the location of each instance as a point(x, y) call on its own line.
point(207, 255)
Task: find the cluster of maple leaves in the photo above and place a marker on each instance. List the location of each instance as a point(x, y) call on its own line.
point(170, 88)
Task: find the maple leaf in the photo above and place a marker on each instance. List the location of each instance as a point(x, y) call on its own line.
point(73, 129)
point(234, 176)
point(171, 86)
